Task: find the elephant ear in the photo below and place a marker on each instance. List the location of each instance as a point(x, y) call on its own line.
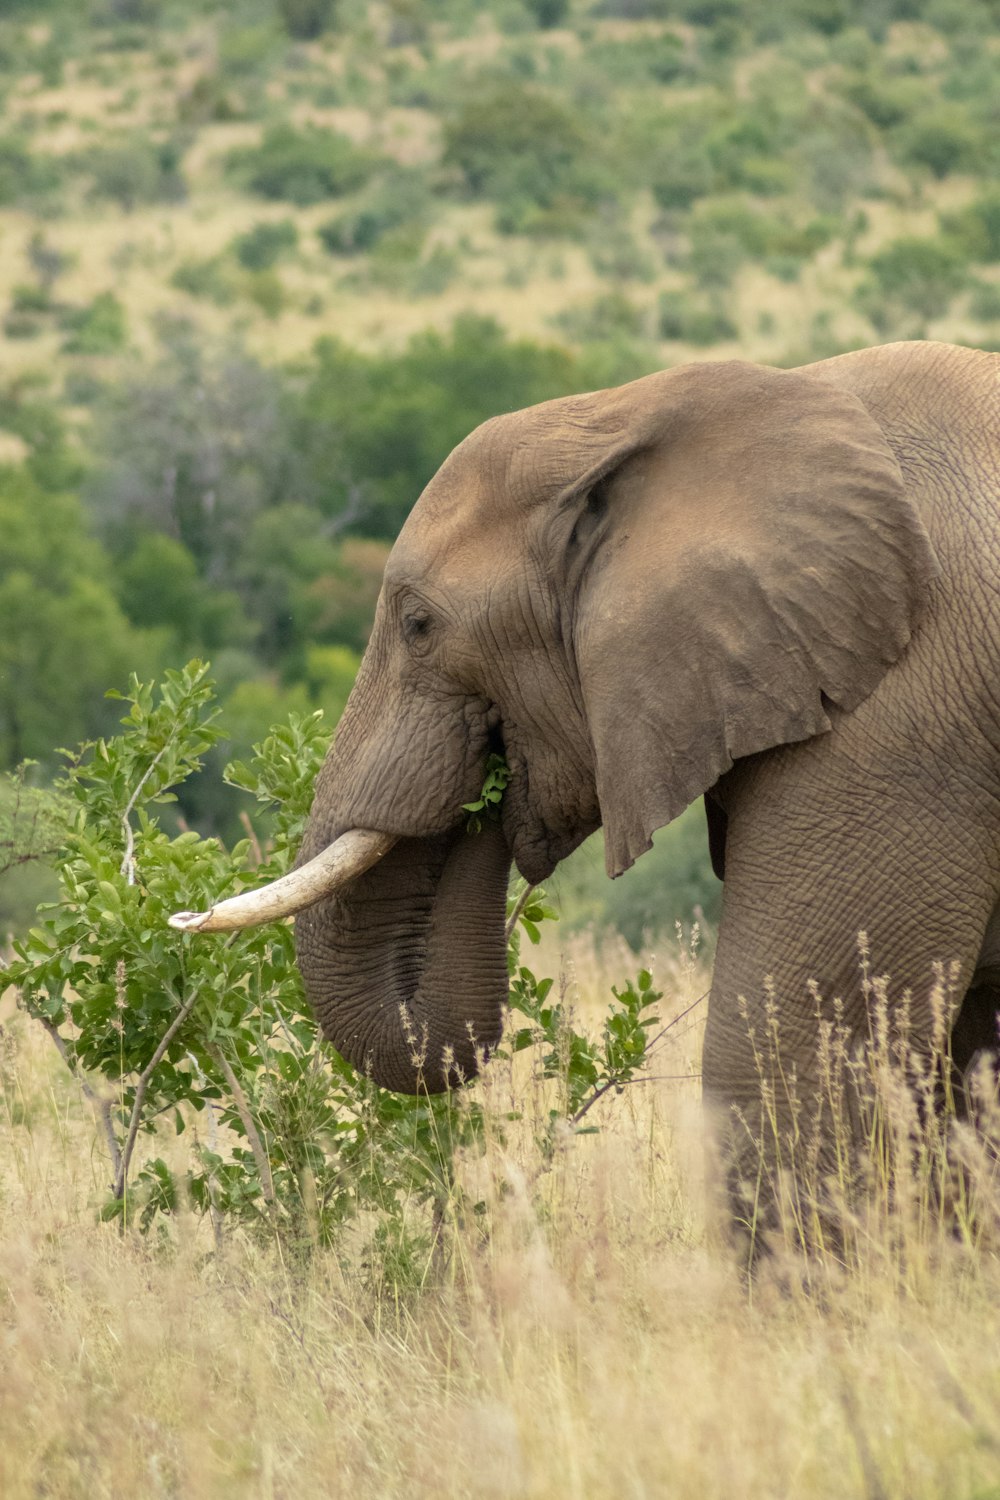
point(743, 557)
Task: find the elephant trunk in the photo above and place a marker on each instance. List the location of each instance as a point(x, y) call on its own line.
point(406, 970)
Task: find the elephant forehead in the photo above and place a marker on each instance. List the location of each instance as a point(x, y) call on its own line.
point(515, 462)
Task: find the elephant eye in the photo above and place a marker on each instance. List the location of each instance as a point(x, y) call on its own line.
point(416, 626)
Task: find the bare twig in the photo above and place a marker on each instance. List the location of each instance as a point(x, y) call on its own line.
point(675, 1021)
point(140, 1091)
point(102, 1107)
point(255, 849)
point(128, 858)
point(522, 902)
point(249, 1125)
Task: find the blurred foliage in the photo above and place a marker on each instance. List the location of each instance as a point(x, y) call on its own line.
point(302, 166)
point(671, 883)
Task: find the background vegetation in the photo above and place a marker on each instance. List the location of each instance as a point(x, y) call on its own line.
point(263, 265)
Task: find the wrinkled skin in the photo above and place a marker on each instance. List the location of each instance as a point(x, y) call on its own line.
point(776, 588)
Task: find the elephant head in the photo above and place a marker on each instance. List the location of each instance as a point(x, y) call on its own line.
point(622, 592)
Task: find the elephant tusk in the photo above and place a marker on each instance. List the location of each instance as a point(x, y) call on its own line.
point(338, 864)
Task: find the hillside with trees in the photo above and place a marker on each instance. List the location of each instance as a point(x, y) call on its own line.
point(265, 264)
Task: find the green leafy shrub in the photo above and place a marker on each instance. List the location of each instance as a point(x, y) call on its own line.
point(178, 1027)
point(548, 13)
point(133, 171)
point(263, 246)
point(942, 139)
point(25, 175)
point(911, 277)
point(984, 304)
point(886, 101)
point(266, 290)
point(605, 316)
point(693, 323)
point(396, 199)
point(394, 418)
point(976, 228)
point(306, 19)
point(99, 328)
point(302, 166)
point(211, 279)
point(526, 150)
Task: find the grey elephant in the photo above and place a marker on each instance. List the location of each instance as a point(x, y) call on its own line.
point(779, 589)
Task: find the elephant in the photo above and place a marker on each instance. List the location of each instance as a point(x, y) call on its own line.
point(777, 589)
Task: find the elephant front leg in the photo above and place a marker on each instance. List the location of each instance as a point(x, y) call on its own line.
point(809, 1023)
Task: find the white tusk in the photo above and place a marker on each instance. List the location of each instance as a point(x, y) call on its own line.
point(338, 864)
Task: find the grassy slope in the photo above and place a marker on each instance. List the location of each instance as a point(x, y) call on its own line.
point(526, 283)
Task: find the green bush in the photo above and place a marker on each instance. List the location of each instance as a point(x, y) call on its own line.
point(262, 247)
point(158, 587)
point(183, 1024)
point(306, 19)
point(134, 171)
point(693, 324)
point(397, 198)
point(100, 328)
point(529, 152)
point(548, 12)
point(302, 166)
point(26, 175)
point(912, 276)
point(394, 418)
point(943, 139)
point(31, 299)
point(976, 228)
point(211, 279)
point(607, 315)
point(984, 304)
point(886, 101)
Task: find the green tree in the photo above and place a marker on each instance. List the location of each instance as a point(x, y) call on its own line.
point(911, 280)
point(306, 19)
point(395, 418)
point(528, 151)
point(62, 633)
point(302, 166)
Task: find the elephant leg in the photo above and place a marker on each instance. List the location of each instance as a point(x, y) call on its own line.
point(813, 859)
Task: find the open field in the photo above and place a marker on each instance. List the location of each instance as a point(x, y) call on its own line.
point(583, 1335)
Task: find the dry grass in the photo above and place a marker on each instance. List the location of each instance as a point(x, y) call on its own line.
point(596, 1342)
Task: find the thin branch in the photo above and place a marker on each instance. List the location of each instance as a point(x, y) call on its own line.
point(102, 1107)
point(128, 858)
point(522, 902)
point(249, 1125)
point(675, 1021)
point(141, 1087)
point(255, 849)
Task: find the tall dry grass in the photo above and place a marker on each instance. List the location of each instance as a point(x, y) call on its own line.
point(581, 1333)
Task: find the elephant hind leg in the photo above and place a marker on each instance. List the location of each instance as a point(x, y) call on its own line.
point(975, 1035)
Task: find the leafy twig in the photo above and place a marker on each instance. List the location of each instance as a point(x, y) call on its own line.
point(128, 858)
